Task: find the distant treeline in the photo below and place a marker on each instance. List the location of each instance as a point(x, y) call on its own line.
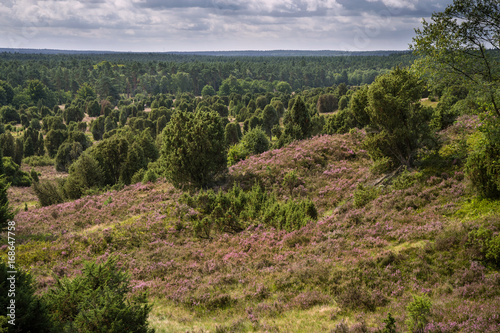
point(153, 73)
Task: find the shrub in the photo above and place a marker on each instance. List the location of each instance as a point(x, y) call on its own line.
point(308, 299)
point(419, 311)
point(14, 174)
point(406, 179)
point(390, 324)
point(31, 313)
point(363, 195)
point(35, 161)
point(138, 176)
point(233, 210)
point(482, 167)
point(47, 193)
point(255, 141)
point(235, 154)
point(484, 245)
point(67, 153)
point(150, 176)
point(84, 174)
point(96, 302)
point(6, 213)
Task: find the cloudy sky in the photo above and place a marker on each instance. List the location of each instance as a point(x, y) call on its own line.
point(212, 25)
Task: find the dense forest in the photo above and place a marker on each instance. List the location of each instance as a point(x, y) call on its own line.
point(280, 191)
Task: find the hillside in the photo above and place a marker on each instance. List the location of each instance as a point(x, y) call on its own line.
point(378, 240)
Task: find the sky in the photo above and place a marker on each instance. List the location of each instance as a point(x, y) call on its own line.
point(212, 25)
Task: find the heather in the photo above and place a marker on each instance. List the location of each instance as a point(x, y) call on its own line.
point(377, 243)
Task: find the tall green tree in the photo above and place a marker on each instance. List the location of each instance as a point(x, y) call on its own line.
point(461, 42)
point(193, 151)
point(86, 92)
point(6, 93)
point(398, 121)
point(36, 90)
point(297, 122)
point(270, 118)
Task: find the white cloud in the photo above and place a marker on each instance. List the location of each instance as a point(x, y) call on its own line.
point(157, 25)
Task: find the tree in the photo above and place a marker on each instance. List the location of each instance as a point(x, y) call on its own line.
point(18, 151)
point(284, 87)
point(232, 133)
point(134, 162)
point(67, 153)
point(109, 124)
point(398, 120)
point(358, 105)
point(461, 41)
point(269, 118)
point(72, 113)
point(255, 141)
point(31, 313)
point(327, 103)
point(53, 140)
point(86, 92)
point(9, 114)
point(297, 123)
point(93, 109)
point(6, 213)
point(97, 128)
point(193, 151)
point(85, 173)
point(6, 93)
point(7, 144)
point(111, 153)
point(482, 167)
point(207, 91)
point(96, 301)
point(36, 90)
point(148, 145)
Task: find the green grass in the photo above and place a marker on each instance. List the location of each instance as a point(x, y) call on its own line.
point(427, 102)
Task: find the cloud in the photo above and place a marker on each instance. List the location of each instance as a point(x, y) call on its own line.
point(156, 25)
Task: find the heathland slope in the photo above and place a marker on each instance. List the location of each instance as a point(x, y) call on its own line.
point(408, 243)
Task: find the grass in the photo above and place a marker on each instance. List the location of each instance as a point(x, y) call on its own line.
point(427, 102)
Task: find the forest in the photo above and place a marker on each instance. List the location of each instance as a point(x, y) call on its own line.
point(280, 191)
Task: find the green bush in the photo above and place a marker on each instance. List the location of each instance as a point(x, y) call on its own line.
point(193, 151)
point(149, 176)
point(406, 179)
point(31, 313)
point(6, 213)
point(482, 167)
point(363, 195)
point(96, 301)
point(234, 210)
point(138, 176)
point(419, 311)
point(398, 121)
point(48, 193)
point(255, 141)
point(14, 174)
point(39, 161)
point(484, 245)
